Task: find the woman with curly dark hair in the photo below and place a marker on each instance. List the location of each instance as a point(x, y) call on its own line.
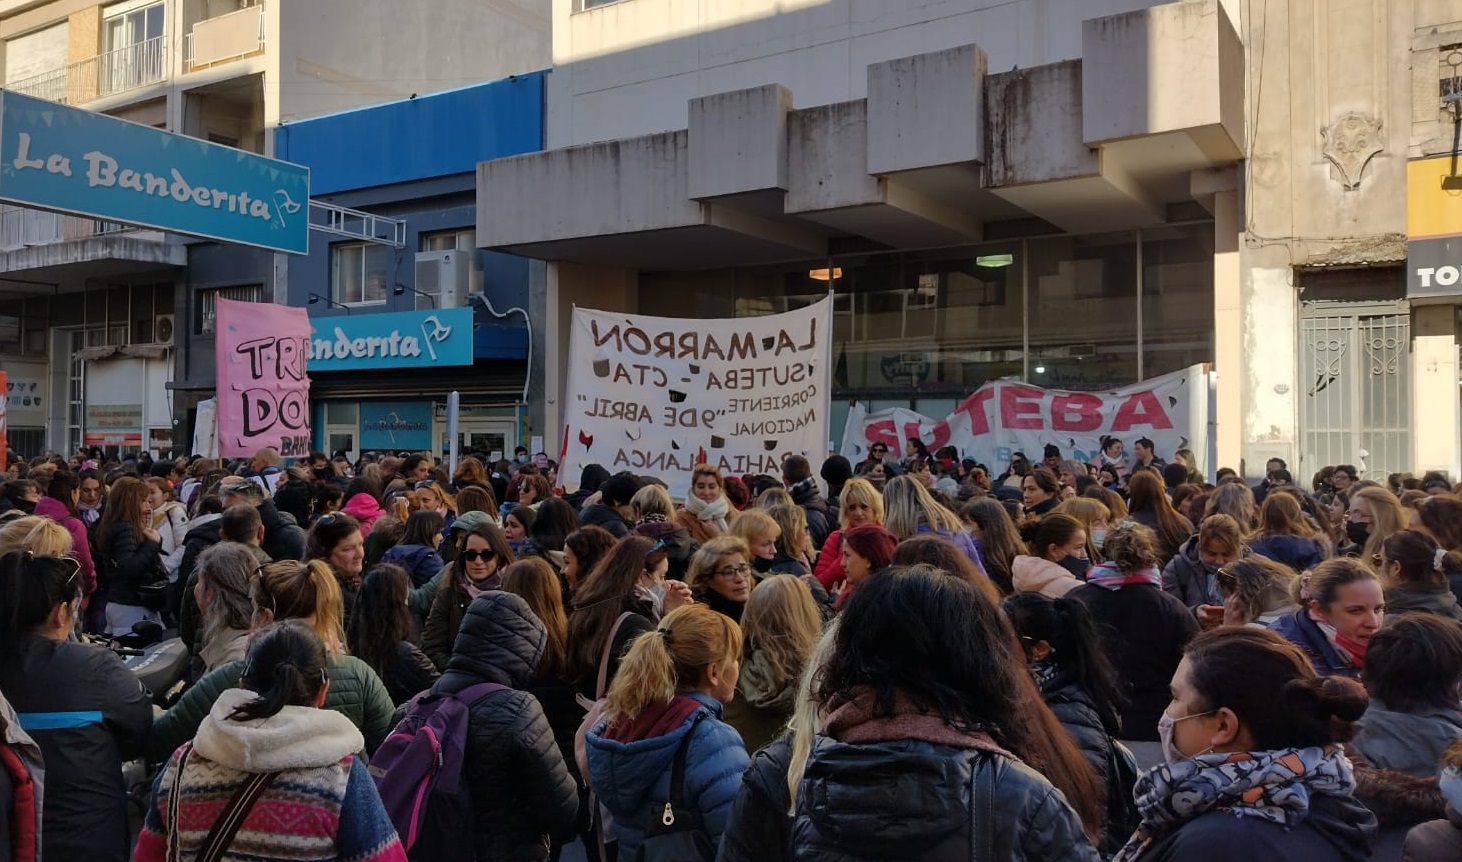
point(381, 634)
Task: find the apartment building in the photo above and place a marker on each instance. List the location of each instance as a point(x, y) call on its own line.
point(91, 311)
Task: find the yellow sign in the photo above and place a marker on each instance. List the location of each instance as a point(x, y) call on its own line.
point(1430, 210)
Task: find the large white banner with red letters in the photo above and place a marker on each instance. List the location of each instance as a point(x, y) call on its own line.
point(1007, 416)
point(658, 395)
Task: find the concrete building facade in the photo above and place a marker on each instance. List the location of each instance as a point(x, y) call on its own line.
point(92, 313)
point(1081, 195)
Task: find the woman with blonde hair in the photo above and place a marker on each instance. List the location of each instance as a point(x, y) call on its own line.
point(1256, 592)
point(1374, 514)
point(654, 518)
point(779, 629)
point(1095, 517)
point(706, 513)
point(860, 503)
point(911, 510)
point(720, 576)
point(762, 535)
point(1236, 500)
point(667, 698)
point(795, 541)
point(41, 536)
point(290, 590)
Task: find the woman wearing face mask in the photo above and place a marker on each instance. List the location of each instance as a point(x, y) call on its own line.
point(1095, 517)
point(1374, 514)
point(82, 706)
point(1341, 607)
point(1057, 561)
point(482, 554)
point(1254, 765)
point(760, 532)
point(1070, 667)
point(1144, 628)
point(1191, 575)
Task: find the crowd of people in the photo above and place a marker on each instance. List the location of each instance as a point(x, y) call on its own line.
point(902, 657)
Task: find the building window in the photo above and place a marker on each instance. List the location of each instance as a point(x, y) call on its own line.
point(359, 272)
point(207, 314)
point(464, 239)
point(135, 40)
point(586, 5)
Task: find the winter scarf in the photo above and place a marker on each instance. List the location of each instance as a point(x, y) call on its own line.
point(491, 582)
point(1272, 785)
point(713, 513)
point(1110, 577)
point(857, 721)
point(1350, 649)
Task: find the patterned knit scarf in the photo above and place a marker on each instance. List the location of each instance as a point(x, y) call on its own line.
point(1272, 785)
point(1110, 577)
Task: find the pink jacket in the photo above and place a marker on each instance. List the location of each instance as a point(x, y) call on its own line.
point(54, 509)
point(364, 508)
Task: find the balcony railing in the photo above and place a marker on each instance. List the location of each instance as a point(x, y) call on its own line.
point(226, 37)
point(22, 228)
point(117, 71)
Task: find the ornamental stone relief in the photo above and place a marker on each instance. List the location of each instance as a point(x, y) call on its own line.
point(1350, 143)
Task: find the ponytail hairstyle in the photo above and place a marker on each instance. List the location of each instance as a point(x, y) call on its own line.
point(1273, 689)
point(1322, 583)
point(285, 667)
point(31, 586)
point(1422, 561)
point(671, 659)
point(294, 590)
point(37, 534)
point(1076, 648)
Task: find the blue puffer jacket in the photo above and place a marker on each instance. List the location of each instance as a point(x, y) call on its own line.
point(633, 778)
point(1297, 552)
point(419, 561)
point(1304, 633)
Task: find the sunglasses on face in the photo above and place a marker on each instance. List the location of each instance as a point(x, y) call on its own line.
point(474, 556)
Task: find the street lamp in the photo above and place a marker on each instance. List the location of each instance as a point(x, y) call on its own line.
point(315, 297)
point(400, 288)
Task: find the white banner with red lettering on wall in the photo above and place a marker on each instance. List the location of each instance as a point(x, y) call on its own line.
point(1007, 416)
point(658, 395)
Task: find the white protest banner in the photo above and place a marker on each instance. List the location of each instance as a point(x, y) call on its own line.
point(263, 391)
point(658, 395)
point(1006, 416)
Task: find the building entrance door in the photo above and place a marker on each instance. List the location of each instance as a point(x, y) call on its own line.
point(1356, 370)
point(485, 438)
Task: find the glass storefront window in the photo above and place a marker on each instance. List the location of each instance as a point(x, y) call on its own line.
point(1060, 312)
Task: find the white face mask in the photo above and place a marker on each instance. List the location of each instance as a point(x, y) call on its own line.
point(1165, 736)
point(1098, 538)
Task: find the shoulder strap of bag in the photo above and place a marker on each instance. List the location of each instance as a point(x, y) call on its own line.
point(982, 837)
point(172, 825)
point(228, 823)
point(677, 767)
point(604, 657)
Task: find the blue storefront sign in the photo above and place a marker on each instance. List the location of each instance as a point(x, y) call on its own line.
point(395, 425)
point(55, 157)
point(406, 339)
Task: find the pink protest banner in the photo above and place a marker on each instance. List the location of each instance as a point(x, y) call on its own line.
point(263, 390)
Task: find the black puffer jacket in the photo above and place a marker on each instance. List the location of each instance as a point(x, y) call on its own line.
point(521, 790)
point(409, 674)
point(129, 562)
point(1074, 708)
point(283, 538)
point(907, 800)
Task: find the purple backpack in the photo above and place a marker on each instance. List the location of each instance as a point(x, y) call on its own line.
point(419, 773)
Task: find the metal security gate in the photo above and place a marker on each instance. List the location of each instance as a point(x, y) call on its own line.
point(1356, 373)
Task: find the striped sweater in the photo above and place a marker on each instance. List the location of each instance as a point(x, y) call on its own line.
point(322, 806)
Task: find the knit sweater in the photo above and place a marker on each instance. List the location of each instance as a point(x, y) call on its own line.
point(323, 804)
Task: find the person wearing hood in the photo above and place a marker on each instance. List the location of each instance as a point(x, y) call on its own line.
point(1412, 670)
point(363, 505)
point(1191, 576)
point(1285, 535)
point(522, 792)
point(797, 476)
point(1414, 570)
point(836, 471)
point(591, 479)
point(1254, 767)
point(612, 510)
point(779, 628)
point(655, 519)
point(482, 554)
point(707, 511)
point(1057, 562)
point(1143, 628)
point(667, 696)
point(320, 801)
point(59, 504)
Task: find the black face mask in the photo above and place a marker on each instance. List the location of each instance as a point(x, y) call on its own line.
point(1075, 565)
point(1356, 533)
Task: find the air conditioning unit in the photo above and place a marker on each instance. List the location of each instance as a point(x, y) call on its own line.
point(162, 329)
point(450, 276)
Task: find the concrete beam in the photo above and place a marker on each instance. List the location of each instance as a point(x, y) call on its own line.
point(738, 142)
point(927, 110)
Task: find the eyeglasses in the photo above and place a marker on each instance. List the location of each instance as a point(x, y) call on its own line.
point(734, 572)
point(878, 450)
point(474, 556)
